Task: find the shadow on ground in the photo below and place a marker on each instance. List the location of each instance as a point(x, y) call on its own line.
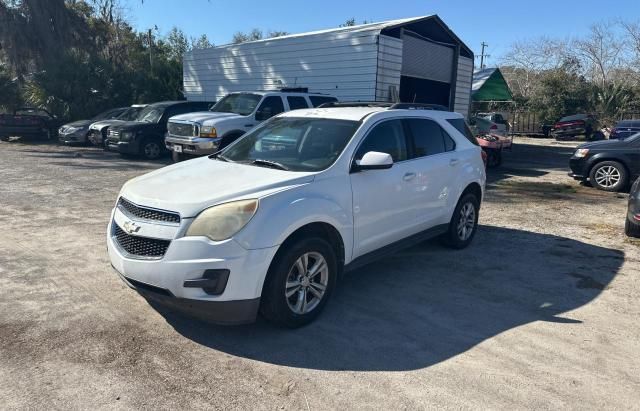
point(428, 304)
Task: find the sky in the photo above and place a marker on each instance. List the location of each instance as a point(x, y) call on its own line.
point(498, 23)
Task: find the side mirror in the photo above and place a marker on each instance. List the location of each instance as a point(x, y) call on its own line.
point(373, 160)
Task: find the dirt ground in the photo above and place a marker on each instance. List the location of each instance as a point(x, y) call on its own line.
point(540, 312)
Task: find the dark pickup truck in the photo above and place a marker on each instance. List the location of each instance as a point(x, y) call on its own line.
point(28, 122)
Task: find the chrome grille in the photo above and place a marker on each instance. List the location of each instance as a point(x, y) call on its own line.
point(182, 130)
point(147, 213)
point(114, 134)
point(140, 246)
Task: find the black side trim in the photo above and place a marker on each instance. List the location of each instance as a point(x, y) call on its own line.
point(149, 288)
point(395, 247)
point(213, 282)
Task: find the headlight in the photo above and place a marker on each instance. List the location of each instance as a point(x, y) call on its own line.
point(581, 152)
point(126, 135)
point(70, 130)
point(208, 131)
point(223, 221)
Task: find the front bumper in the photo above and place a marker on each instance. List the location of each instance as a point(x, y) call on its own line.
point(124, 147)
point(75, 137)
point(196, 146)
point(578, 168)
point(186, 259)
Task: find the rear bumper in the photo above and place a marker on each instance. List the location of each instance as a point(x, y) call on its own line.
point(568, 131)
point(22, 131)
point(218, 312)
point(194, 146)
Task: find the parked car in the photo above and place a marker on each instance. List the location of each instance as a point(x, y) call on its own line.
point(624, 129)
point(608, 165)
point(78, 131)
point(145, 135)
point(28, 122)
point(632, 223)
point(204, 133)
point(304, 196)
point(577, 125)
point(98, 130)
point(485, 126)
point(498, 124)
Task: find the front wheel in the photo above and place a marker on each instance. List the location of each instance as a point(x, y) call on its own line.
point(631, 229)
point(608, 176)
point(464, 223)
point(299, 283)
point(150, 149)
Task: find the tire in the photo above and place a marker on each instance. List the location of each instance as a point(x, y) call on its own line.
point(631, 229)
point(303, 305)
point(458, 235)
point(226, 140)
point(4, 138)
point(178, 157)
point(150, 149)
point(494, 158)
point(609, 176)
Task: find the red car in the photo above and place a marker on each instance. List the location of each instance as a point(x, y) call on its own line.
point(577, 125)
point(28, 122)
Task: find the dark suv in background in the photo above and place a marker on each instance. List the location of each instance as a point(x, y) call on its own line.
point(145, 136)
point(624, 129)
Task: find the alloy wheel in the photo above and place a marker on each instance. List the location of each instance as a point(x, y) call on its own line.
point(307, 282)
point(151, 150)
point(466, 221)
point(607, 176)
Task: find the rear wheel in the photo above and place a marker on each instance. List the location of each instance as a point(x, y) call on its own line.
point(464, 222)
point(150, 149)
point(608, 176)
point(299, 283)
point(631, 229)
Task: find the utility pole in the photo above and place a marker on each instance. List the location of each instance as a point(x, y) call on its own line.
point(483, 56)
point(151, 52)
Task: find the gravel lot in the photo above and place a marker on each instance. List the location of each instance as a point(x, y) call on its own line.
point(540, 312)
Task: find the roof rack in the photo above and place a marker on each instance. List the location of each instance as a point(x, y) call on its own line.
point(388, 106)
point(294, 89)
point(356, 104)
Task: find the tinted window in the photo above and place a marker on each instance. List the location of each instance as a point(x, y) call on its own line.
point(462, 127)
point(238, 103)
point(387, 137)
point(270, 107)
point(297, 102)
point(320, 100)
point(427, 137)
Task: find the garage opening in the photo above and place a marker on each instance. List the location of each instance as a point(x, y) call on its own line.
point(419, 90)
point(427, 68)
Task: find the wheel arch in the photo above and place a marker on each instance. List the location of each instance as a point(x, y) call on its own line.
point(473, 188)
point(606, 157)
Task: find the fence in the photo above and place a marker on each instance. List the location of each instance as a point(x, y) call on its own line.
point(528, 122)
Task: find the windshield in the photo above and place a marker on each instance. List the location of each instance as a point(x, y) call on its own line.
point(632, 137)
point(296, 144)
point(130, 114)
point(573, 118)
point(108, 115)
point(150, 114)
point(242, 103)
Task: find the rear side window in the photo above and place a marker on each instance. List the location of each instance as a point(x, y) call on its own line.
point(270, 107)
point(320, 100)
point(463, 128)
point(297, 102)
point(428, 138)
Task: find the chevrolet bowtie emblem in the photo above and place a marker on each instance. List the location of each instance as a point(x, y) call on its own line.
point(130, 227)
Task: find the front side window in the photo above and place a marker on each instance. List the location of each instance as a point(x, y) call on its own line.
point(270, 107)
point(295, 144)
point(151, 114)
point(387, 137)
point(239, 103)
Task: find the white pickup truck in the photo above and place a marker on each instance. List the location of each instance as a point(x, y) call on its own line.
point(203, 133)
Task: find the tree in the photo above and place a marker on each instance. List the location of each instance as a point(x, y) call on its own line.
point(255, 34)
point(601, 52)
point(178, 44)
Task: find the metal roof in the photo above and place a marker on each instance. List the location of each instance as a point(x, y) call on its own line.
point(490, 85)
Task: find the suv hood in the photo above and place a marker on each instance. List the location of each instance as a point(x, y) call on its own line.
point(201, 116)
point(99, 125)
point(191, 186)
point(132, 125)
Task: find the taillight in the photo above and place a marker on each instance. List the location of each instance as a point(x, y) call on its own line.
point(494, 127)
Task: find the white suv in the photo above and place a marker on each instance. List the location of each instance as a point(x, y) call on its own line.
point(306, 196)
point(202, 133)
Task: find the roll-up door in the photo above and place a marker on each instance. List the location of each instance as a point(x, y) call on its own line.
point(427, 60)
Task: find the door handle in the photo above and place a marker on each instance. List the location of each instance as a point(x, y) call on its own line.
point(409, 176)
point(453, 162)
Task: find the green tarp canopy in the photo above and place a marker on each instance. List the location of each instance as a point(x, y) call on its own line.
point(490, 85)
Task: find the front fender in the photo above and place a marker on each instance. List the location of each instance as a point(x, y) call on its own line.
point(282, 213)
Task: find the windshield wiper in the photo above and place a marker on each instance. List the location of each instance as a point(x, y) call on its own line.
point(272, 164)
point(220, 157)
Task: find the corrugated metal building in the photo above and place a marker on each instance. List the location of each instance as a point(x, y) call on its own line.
point(411, 60)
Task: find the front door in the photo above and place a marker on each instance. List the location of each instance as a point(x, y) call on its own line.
point(384, 201)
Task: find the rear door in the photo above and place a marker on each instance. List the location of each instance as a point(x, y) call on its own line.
point(432, 153)
point(384, 201)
